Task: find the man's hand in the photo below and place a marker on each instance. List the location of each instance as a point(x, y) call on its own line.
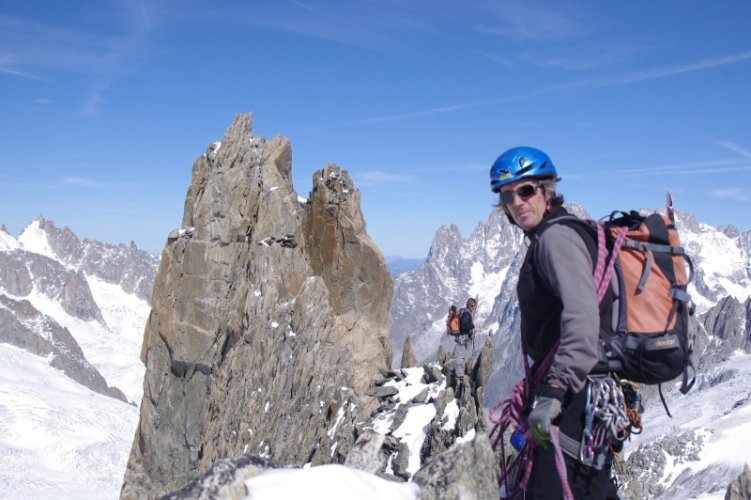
point(543, 413)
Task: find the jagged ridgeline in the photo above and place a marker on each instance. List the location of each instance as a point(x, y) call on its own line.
point(269, 320)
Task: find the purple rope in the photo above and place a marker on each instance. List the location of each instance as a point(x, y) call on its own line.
point(560, 464)
point(512, 414)
point(512, 409)
point(602, 282)
point(600, 266)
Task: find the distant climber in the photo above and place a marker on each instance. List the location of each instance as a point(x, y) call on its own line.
point(465, 337)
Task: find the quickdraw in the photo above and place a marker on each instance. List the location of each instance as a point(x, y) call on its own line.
point(634, 407)
point(612, 414)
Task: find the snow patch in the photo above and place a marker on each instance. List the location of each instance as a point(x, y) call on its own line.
point(34, 239)
point(8, 243)
point(327, 482)
point(59, 439)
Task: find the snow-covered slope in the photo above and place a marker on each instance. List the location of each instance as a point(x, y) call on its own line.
point(111, 336)
point(722, 261)
point(58, 439)
point(61, 439)
point(699, 451)
point(113, 348)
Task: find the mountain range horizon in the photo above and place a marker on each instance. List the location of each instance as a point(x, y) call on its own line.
point(96, 297)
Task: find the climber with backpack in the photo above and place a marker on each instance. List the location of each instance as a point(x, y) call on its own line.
point(572, 410)
point(460, 325)
point(452, 320)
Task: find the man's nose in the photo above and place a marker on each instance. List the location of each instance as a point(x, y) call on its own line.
point(516, 200)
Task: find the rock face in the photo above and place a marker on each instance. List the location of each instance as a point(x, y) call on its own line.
point(269, 320)
point(464, 472)
point(21, 272)
point(730, 328)
point(740, 489)
point(428, 430)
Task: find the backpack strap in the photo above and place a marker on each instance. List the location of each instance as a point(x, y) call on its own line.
point(604, 265)
point(620, 239)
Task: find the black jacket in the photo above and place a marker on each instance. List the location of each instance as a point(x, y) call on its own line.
point(557, 300)
point(466, 324)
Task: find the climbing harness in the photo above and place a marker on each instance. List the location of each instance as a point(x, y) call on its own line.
point(612, 414)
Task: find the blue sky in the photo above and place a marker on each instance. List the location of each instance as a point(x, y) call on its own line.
point(104, 105)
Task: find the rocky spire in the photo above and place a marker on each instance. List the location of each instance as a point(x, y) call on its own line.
point(408, 356)
point(740, 489)
point(269, 320)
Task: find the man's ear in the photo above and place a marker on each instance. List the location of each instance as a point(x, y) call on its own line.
point(548, 200)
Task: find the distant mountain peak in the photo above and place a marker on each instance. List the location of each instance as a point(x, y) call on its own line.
point(121, 264)
point(7, 242)
point(35, 237)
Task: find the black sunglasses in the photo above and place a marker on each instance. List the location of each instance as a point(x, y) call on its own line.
point(525, 192)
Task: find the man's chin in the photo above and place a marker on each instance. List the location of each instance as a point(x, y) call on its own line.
point(525, 222)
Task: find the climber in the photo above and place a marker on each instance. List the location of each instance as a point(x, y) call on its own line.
point(558, 310)
point(465, 339)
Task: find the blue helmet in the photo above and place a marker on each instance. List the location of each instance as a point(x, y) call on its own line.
point(519, 163)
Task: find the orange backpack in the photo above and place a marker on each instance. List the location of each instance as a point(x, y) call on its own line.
point(651, 337)
point(452, 320)
point(650, 343)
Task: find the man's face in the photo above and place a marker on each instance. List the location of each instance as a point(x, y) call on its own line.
point(528, 203)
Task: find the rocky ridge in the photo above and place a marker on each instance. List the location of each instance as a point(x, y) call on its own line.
point(267, 327)
point(24, 326)
point(132, 269)
point(452, 459)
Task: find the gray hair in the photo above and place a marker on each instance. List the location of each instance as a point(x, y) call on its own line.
point(549, 184)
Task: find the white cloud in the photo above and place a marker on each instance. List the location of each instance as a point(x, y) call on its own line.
point(745, 153)
point(8, 66)
point(375, 177)
point(735, 193)
point(689, 168)
point(521, 21)
point(652, 74)
point(626, 78)
point(80, 181)
point(34, 47)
